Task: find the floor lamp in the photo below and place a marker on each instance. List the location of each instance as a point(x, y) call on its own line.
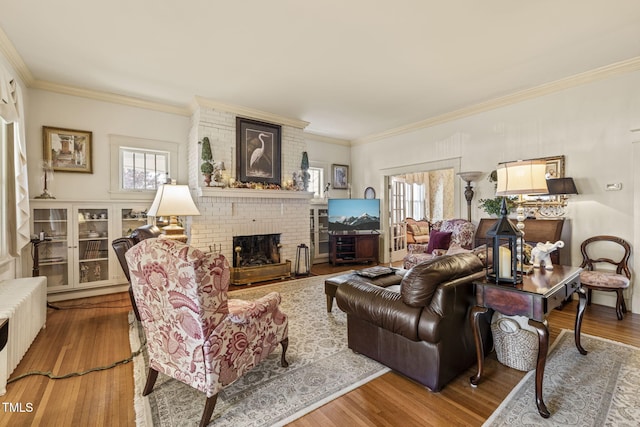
point(522, 177)
point(469, 177)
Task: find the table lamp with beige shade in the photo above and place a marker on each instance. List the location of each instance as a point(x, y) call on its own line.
point(518, 178)
point(173, 200)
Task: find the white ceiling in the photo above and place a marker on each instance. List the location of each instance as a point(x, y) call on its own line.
point(351, 68)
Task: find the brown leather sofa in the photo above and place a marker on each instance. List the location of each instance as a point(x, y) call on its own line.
point(420, 328)
point(123, 244)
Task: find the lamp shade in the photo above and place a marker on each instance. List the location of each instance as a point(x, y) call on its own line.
point(470, 176)
point(521, 177)
point(173, 200)
point(562, 186)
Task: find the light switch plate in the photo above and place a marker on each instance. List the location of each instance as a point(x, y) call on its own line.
point(614, 187)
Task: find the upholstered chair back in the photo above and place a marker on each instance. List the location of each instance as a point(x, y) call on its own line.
point(181, 294)
point(462, 231)
point(195, 334)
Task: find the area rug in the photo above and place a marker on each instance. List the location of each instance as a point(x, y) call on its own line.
point(599, 389)
point(321, 369)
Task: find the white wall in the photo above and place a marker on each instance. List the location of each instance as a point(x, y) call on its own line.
point(103, 119)
point(590, 125)
point(324, 153)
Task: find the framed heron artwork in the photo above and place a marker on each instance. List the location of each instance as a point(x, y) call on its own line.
point(258, 148)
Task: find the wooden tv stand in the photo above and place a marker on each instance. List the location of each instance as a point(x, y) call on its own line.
point(353, 248)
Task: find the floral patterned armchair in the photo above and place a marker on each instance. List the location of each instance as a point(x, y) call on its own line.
point(194, 333)
point(461, 239)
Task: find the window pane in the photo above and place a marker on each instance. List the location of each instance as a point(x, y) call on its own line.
point(315, 181)
point(143, 169)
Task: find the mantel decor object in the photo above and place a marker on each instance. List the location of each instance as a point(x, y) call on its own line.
point(207, 158)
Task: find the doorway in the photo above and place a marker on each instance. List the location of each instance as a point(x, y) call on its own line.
point(425, 191)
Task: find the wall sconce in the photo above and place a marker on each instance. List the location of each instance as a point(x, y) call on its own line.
point(560, 187)
point(173, 200)
point(469, 177)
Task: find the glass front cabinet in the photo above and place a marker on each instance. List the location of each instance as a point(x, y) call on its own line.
point(319, 228)
point(71, 243)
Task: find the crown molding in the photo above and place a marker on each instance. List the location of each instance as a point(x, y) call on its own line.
point(601, 73)
point(327, 139)
point(110, 97)
point(14, 58)
point(199, 102)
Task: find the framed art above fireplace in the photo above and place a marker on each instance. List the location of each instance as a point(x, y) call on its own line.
point(258, 148)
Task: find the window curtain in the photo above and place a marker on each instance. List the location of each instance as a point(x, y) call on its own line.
point(421, 178)
point(12, 111)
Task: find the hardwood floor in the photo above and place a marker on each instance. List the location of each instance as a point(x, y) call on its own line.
point(94, 332)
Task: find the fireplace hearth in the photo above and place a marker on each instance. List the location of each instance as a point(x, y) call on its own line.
point(259, 249)
point(257, 258)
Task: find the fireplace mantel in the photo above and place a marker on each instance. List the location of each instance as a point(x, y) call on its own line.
point(250, 193)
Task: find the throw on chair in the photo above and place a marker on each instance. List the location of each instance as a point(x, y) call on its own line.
point(613, 281)
point(195, 334)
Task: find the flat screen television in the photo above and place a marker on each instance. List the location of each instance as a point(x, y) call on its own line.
point(353, 215)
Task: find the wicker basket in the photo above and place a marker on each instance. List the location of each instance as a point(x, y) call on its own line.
point(515, 347)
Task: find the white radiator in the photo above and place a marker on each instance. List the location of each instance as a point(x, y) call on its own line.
point(24, 303)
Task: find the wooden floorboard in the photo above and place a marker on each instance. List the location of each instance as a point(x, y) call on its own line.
point(94, 332)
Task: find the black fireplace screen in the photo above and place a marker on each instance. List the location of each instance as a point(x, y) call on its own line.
point(259, 249)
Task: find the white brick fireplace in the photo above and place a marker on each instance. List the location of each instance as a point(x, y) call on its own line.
point(229, 212)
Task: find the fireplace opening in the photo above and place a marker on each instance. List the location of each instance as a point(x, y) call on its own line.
point(256, 250)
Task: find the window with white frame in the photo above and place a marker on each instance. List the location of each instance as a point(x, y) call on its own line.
point(316, 181)
point(143, 169)
point(141, 164)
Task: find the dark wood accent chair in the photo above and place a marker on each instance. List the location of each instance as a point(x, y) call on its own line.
point(608, 281)
point(123, 244)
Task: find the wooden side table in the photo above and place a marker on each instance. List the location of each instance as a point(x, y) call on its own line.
point(538, 294)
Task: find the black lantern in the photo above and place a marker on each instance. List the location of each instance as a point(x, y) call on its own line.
point(504, 241)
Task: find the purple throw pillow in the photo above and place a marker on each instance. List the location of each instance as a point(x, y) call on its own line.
point(438, 240)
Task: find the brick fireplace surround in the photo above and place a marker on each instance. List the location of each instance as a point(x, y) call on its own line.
point(229, 212)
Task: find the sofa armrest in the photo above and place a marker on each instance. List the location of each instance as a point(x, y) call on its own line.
point(417, 248)
point(378, 306)
point(449, 309)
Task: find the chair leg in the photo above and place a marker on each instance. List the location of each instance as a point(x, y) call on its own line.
point(589, 296)
point(283, 359)
point(620, 304)
point(209, 406)
point(152, 376)
point(133, 304)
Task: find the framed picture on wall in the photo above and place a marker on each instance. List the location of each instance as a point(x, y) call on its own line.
point(554, 169)
point(258, 147)
point(340, 177)
point(68, 150)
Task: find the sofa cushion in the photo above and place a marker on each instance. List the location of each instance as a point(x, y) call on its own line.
point(439, 240)
point(419, 230)
point(420, 283)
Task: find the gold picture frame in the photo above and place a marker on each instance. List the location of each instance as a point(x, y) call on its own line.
point(68, 150)
point(554, 169)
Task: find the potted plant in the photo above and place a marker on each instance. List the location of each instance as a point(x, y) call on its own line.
point(492, 206)
point(207, 165)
